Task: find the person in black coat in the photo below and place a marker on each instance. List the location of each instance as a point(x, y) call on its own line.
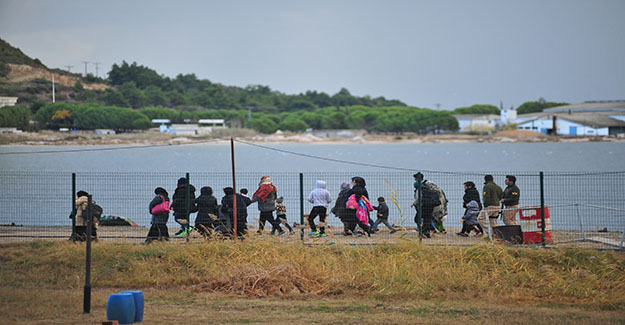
point(227, 207)
point(340, 210)
point(470, 194)
point(179, 205)
point(207, 212)
point(158, 230)
point(359, 190)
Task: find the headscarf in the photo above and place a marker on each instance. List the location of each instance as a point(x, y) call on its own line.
point(344, 186)
point(264, 189)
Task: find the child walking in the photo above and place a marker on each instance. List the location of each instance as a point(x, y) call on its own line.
point(320, 198)
point(281, 215)
point(382, 209)
point(469, 221)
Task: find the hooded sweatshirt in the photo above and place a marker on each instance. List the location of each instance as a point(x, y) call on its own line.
point(470, 217)
point(320, 196)
point(206, 204)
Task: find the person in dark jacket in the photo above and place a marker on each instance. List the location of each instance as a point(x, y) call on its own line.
point(470, 194)
point(382, 209)
point(429, 200)
point(179, 206)
point(158, 230)
point(227, 207)
point(358, 189)
point(207, 212)
point(341, 212)
point(510, 200)
point(492, 196)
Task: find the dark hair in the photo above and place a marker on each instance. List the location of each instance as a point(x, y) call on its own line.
point(244, 191)
point(511, 178)
point(160, 191)
point(469, 184)
point(228, 190)
point(359, 181)
point(488, 178)
point(417, 175)
point(381, 199)
point(82, 193)
point(182, 181)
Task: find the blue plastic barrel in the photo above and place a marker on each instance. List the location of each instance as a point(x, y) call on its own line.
point(121, 307)
point(138, 296)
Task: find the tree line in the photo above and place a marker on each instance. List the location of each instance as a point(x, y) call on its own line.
point(375, 119)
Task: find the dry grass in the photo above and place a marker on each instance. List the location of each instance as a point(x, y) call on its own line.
point(46, 278)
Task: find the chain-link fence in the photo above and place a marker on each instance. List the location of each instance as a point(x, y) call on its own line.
point(581, 209)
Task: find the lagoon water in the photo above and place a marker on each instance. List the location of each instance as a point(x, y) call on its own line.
point(595, 156)
point(35, 189)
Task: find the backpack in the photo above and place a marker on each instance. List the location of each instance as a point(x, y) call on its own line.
point(95, 209)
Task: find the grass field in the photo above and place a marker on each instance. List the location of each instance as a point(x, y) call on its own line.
point(264, 282)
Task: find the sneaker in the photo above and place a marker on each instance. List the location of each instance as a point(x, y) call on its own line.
point(462, 234)
point(178, 233)
point(182, 233)
point(323, 234)
point(393, 231)
point(281, 233)
point(479, 234)
point(313, 234)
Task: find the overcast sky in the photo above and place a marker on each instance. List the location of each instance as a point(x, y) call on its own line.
point(452, 53)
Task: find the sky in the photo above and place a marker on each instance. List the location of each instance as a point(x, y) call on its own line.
point(435, 54)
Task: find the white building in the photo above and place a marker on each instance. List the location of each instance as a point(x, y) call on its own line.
point(580, 124)
point(477, 122)
point(8, 101)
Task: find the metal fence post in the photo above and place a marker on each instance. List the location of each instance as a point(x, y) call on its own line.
point(188, 205)
point(542, 206)
point(73, 236)
point(581, 223)
point(86, 307)
point(301, 198)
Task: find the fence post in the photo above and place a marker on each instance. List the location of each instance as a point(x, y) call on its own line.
point(188, 205)
point(542, 206)
point(86, 306)
point(301, 198)
point(581, 224)
point(419, 205)
point(73, 236)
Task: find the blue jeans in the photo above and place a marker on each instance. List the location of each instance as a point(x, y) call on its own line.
point(182, 220)
point(385, 221)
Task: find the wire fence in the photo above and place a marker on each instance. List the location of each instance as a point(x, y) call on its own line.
point(581, 209)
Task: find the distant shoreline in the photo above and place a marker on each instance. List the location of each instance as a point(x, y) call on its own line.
point(155, 138)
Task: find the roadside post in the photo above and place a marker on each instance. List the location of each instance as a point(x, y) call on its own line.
point(419, 205)
point(73, 236)
point(542, 206)
point(86, 307)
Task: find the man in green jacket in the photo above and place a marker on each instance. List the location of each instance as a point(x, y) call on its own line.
point(511, 201)
point(491, 198)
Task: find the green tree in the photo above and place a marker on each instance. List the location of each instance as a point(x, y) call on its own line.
point(132, 94)
point(477, 109)
point(16, 116)
point(115, 98)
point(155, 96)
point(264, 124)
point(537, 106)
point(293, 123)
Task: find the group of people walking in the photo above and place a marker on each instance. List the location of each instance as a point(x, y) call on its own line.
point(352, 206)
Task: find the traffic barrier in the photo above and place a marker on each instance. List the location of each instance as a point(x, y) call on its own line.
point(531, 225)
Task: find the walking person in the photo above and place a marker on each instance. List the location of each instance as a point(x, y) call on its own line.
point(82, 202)
point(179, 206)
point(340, 211)
point(320, 198)
point(359, 190)
point(429, 201)
point(227, 207)
point(469, 220)
point(492, 194)
point(281, 215)
point(207, 212)
point(382, 209)
point(439, 214)
point(470, 194)
point(510, 201)
point(159, 208)
point(266, 195)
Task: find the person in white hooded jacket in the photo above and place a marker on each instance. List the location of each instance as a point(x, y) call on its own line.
point(320, 198)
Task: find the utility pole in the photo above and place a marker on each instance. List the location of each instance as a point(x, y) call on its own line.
point(85, 62)
point(53, 99)
point(96, 68)
point(69, 68)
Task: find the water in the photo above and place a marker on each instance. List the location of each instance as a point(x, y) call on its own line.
point(596, 156)
point(35, 189)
